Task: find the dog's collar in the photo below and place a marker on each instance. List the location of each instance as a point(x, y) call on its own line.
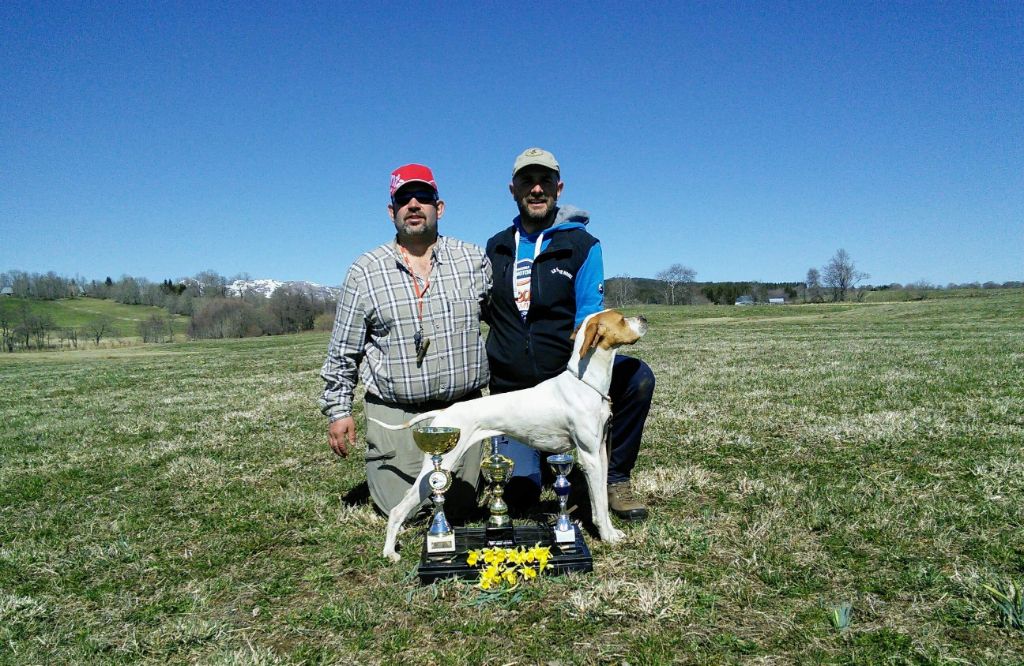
point(604, 396)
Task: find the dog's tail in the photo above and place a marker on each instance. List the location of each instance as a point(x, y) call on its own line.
point(408, 424)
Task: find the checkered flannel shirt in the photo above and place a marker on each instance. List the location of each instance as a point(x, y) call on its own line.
point(377, 319)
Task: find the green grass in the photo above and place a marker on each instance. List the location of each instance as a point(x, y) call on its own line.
point(181, 504)
point(919, 294)
point(78, 312)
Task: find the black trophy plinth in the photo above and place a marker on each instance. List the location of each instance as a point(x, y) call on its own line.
point(563, 560)
point(500, 536)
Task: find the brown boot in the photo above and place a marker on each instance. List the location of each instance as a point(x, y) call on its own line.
point(623, 504)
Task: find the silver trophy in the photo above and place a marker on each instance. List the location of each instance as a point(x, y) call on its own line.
point(565, 531)
point(497, 469)
point(437, 441)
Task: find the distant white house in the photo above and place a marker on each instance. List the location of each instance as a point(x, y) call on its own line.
point(777, 301)
point(7, 291)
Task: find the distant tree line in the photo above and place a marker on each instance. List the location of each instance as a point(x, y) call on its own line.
point(43, 286)
point(286, 311)
point(23, 327)
point(203, 297)
point(838, 280)
point(216, 314)
point(623, 290)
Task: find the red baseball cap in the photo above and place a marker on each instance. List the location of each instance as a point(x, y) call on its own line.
point(411, 173)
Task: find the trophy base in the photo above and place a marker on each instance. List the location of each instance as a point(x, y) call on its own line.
point(566, 540)
point(500, 536)
point(563, 558)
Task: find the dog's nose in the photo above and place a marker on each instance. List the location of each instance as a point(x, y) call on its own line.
point(643, 319)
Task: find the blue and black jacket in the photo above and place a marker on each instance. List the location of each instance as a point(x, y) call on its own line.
point(567, 285)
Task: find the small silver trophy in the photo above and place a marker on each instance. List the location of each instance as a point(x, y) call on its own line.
point(437, 441)
point(565, 531)
point(497, 469)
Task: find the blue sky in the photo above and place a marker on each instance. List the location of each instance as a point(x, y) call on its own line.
point(748, 141)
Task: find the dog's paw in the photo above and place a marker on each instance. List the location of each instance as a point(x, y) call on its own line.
point(391, 555)
point(613, 535)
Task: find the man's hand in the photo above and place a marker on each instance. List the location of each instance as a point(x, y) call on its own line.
point(342, 434)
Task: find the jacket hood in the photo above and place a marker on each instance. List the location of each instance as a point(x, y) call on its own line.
point(566, 217)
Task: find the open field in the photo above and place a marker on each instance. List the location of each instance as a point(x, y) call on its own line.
point(911, 293)
point(179, 503)
point(79, 312)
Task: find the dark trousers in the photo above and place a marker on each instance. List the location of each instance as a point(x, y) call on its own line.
point(631, 392)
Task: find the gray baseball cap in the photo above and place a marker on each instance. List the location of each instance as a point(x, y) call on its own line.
point(532, 156)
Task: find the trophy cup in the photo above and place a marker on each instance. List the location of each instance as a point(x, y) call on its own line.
point(565, 531)
point(436, 441)
point(496, 469)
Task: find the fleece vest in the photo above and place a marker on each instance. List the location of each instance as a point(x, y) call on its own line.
point(521, 353)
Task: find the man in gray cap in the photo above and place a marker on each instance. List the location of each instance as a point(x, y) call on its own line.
point(408, 325)
point(548, 277)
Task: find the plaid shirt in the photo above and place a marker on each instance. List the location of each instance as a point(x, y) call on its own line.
point(377, 319)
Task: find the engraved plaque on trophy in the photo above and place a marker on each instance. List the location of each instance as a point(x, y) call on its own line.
point(436, 441)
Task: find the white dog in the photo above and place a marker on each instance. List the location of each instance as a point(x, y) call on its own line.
point(570, 409)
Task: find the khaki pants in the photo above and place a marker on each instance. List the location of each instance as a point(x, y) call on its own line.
point(393, 461)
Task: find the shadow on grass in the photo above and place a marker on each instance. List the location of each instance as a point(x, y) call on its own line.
point(357, 495)
point(461, 505)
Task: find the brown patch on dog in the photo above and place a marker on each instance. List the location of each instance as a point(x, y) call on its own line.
point(606, 330)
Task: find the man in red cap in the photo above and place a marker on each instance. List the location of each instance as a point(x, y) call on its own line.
point(408, 325)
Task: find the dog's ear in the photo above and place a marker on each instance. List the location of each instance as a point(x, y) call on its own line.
point(590, 337)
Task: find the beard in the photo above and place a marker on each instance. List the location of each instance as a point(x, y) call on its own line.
point(421, 230)
point(425, 226)
point(536, 214)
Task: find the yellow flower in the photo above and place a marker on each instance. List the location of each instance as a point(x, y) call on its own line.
point(489, 576)
point(507, 566)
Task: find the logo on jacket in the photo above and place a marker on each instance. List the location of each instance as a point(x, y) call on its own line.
point(561, 272)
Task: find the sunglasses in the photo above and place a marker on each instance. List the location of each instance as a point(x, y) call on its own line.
point(423, 196)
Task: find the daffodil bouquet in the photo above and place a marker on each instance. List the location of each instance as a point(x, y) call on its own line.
point(505, 568)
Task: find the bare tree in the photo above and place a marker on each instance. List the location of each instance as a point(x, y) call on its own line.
point(156, 328)
point(841, 275)
point(620, 292)
point(813, 284)
point(7, 324)
point(69, 333)
point(100, 327)
point(41, 324)
point(211, 284)
point(292, 310)
point(675, 277)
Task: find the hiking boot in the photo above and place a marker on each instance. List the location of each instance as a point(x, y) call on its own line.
point(623, 504)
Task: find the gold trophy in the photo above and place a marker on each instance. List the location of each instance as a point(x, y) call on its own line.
point(497, 469)
point(437, 441)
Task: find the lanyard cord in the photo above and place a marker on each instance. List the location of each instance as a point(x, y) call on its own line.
point(416, 283)
point(518, 290)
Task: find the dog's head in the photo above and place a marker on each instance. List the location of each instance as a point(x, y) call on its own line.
point(609, 329)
